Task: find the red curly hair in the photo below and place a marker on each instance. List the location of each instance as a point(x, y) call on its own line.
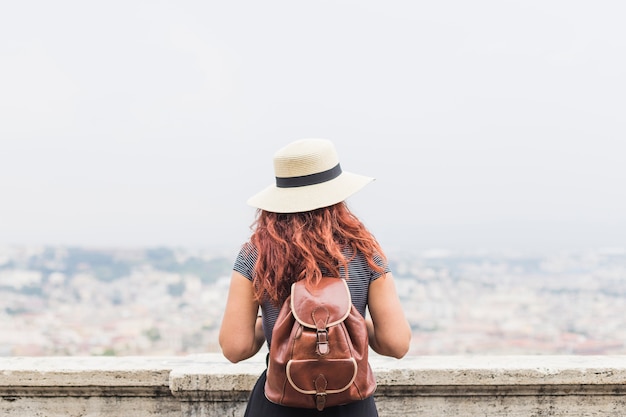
point(299, 246)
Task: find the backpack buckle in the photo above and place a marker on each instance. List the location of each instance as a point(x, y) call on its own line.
point(322, 347)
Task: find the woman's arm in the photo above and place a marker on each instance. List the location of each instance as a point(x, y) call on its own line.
point(389, 332)
point(241, 334)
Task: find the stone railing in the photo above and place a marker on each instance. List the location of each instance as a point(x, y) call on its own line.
point(207, 385)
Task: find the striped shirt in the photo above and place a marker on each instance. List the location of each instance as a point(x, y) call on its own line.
point(360, 274)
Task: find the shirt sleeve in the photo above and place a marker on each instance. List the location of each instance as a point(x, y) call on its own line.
point(246, 259)
point(380, 262)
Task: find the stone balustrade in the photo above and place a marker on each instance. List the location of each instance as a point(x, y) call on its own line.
point(207, 385)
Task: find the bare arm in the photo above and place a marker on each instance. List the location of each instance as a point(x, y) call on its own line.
point(389, 332)
point(241, 334)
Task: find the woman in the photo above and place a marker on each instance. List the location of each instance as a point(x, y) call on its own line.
point(303, 231)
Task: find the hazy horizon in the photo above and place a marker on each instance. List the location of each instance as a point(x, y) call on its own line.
point(495, 125)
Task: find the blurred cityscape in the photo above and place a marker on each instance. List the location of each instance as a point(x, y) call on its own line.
point(169, 301)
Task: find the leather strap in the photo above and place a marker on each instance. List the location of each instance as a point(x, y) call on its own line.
point(320, 317)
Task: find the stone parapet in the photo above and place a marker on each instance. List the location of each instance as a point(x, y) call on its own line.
point(207, 385)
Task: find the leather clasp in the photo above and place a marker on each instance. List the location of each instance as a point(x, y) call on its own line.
point(320, 397)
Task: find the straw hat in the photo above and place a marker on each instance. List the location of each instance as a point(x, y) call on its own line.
point(308, 176)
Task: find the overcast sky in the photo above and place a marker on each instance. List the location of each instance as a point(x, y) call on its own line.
point(488, 124)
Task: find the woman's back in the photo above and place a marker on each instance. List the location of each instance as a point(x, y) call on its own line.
point(303, 232)
point(359, 276)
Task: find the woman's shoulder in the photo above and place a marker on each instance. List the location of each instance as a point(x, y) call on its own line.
point(359, 257)
point(248, 248)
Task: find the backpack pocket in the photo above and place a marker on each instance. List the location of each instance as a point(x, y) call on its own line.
point(307, 375)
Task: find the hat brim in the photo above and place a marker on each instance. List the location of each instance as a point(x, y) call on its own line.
point(311, 197)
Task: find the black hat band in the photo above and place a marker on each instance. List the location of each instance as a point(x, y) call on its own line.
point(311, 179)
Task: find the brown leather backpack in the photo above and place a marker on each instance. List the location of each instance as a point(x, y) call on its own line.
point(319, 351)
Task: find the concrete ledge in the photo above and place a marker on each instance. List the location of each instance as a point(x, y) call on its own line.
point(78, 371)
point(502, 370)
point(206, 385)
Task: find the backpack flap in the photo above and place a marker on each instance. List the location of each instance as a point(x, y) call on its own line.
point(308, 310)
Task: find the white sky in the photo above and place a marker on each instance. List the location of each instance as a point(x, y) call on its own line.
point(488, 124)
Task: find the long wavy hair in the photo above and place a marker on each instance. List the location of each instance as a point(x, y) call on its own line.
point(306, 246)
